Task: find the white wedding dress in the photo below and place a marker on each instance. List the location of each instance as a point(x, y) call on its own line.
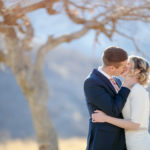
point(137, 109)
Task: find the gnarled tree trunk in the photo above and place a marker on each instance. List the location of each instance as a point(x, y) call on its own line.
point(37, 100)
point(31, 80)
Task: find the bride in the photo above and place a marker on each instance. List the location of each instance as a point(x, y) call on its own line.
point(136, 110)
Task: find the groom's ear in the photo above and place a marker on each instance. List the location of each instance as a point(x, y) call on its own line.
point(111, 68)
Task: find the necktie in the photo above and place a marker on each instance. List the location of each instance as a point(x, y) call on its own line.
point(115, 84)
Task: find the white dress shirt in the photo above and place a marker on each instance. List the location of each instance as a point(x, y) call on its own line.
point(106, 75)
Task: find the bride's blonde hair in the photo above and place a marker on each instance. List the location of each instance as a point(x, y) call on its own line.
point(139, 63)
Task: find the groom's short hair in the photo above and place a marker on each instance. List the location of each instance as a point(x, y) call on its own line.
point(113, 56)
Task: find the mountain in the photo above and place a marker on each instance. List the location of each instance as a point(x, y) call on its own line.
point(66, 73)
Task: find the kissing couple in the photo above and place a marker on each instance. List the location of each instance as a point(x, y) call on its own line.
point(118, 106)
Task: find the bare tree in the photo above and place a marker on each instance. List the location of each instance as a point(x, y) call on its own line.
point(16, 34)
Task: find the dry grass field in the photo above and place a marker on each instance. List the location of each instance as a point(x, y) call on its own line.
point(64, 144)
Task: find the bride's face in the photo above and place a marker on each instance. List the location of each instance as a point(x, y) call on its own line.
point(130, 67)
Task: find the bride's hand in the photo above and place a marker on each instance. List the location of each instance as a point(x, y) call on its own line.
point(99, 116)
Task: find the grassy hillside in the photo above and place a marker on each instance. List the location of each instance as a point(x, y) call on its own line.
point(64, 144)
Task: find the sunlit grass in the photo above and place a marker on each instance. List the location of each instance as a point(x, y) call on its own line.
point(64, 144)
point(72, 144)
point(19, 145)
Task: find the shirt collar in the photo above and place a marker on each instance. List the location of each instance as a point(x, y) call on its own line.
point(104, 73)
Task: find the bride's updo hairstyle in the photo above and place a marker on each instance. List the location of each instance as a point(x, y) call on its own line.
point(139, 63)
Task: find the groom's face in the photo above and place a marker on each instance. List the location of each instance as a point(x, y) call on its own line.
point(121, 69)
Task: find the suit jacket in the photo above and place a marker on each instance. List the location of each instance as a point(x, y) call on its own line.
point(100, 94)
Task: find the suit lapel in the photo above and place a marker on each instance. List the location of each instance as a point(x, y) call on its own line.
point(101, 78)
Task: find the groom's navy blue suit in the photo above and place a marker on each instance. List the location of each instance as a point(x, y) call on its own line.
point(100, 94)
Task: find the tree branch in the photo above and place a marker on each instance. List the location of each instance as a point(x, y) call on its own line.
point(29, 33)
point(73, 17)
point(19, 12)
point(53, 42)
point(134, 42)
point(2, 57)
point(48, 4)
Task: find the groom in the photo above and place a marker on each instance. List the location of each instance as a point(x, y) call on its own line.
point(105, 93)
